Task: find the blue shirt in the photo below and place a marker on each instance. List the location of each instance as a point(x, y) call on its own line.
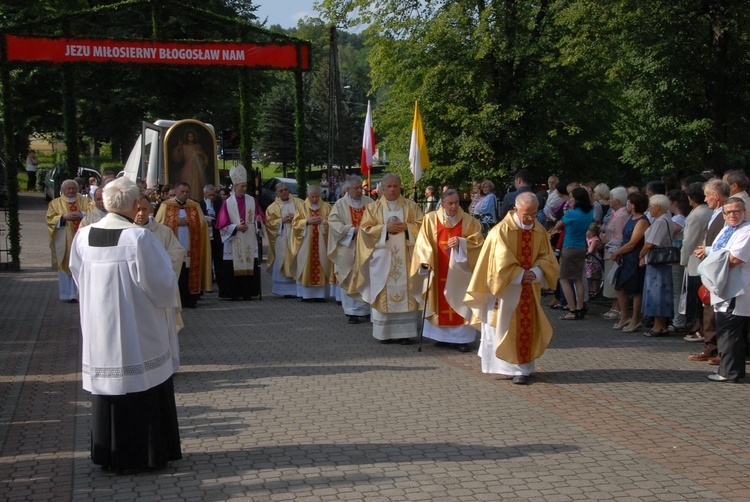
point(576, 224)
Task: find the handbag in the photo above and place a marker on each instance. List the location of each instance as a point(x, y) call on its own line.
point(704, 294)
point(667, 255)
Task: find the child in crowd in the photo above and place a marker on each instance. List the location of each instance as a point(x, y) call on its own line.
point(594, 258)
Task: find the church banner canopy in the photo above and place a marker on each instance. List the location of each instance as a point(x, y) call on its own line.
point(70, 50)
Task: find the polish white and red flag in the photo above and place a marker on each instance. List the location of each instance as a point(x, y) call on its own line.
point(368, 144)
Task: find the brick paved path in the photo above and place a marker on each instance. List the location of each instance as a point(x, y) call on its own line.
point(280, 400)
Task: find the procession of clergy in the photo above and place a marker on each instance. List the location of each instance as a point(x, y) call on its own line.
point(383, 260)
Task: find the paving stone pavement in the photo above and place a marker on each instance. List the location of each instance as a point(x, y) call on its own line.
point(280, 400)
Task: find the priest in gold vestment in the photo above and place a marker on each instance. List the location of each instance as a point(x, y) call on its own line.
point(444, 257)
point(343, 224)
point(308, 246)
point(185, 218)
point(385, 243)
point(504, 294)
point(280, 260)
point(64, 216)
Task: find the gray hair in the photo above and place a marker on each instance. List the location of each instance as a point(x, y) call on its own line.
point(738, 177)
point(120, 195)
point(387, 177)
point(68, 182)
point(660, 200)
point(313, 189)
point(345, 186)
point(354, 179)
point(602, 190)
point(717, 186)
point(735, 200)
point(280, 185)
point(448, 193)
point(619, 193)
point(208, 188)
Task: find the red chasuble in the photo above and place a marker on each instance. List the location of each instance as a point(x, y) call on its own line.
point(315, 253)
point(525, 311)
point(356, 215)
point(446, 315)
point(194, 224)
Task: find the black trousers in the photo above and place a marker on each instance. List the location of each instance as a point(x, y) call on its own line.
point(31, 184)
point(188, 300)
point(731, 338)
point(137, 430)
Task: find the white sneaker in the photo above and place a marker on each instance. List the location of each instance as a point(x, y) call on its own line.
point(693, 337)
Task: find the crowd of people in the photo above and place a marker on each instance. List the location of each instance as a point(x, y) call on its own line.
point(433, 271)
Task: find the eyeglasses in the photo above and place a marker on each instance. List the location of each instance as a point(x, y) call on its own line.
point(734, 212)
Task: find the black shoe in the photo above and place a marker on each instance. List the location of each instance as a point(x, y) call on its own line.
point(407, 341)
point(463, 347)
point(519, 380)
point(73, 300)
point(353, 319)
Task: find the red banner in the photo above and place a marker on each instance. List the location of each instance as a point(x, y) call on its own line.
point(68, 50)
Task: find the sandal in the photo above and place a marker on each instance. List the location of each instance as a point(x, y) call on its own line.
point(611, 315)
point(653, 334)
point(576, 316)
point(622, 324)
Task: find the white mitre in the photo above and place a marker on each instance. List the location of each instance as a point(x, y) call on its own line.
point(238, 174)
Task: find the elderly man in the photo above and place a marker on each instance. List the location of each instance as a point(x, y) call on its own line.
point(738, 185)
point(128, 295)
point(343, 223)
point(279, 227)
point(175, 251)
point(448, 245)
point(98, 212)
point(716, 192)
point(730, 302)
point(238, 224)
point(385, 243)
point(308, 246)
point(64, 216)
point(185, 218)
point(516, 261)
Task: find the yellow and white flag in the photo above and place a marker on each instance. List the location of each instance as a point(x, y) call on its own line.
point(418, 158)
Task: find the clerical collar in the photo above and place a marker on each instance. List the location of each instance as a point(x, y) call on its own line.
point(182, 204)
point(356, 203)
point(314, 206)
point(392, 204)
point(452, 219)
point(521, 225)
point(71, 199)
point(125, 218)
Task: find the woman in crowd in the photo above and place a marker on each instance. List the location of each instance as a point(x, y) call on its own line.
point(657, 288)
point(576, 222)
point(695, 229)
point(486, 207)
point(630, 275)
point(679, 209)
point(612, 239)
point(601, 202)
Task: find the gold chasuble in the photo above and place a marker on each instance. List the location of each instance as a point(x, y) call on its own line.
point(342, 239)
point(309, 245)
point(278, 245)
point(450, 278)
point(61, 238)
point(382, 259)
point(199, 247)
point(497, 297)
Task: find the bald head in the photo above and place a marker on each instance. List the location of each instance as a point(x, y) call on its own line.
point(527, 200)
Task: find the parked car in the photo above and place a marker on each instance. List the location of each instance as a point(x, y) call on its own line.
point(55, 177)
point(268, 191)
